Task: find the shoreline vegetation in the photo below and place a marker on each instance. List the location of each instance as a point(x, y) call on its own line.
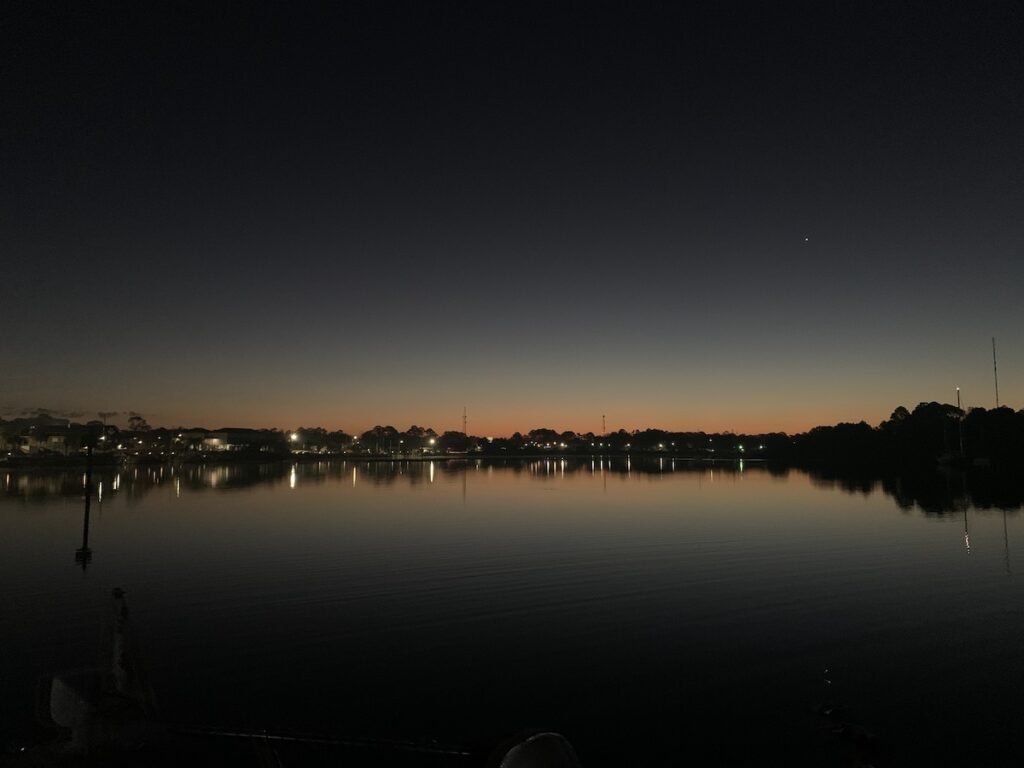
point(932, 434)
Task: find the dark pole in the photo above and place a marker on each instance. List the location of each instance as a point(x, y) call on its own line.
point(960, 422)
point(995, 370)
point(84, 555)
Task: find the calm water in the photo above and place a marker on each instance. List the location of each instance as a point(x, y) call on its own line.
point(650, 611)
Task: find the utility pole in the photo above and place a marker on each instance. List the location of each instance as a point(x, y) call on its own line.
point(995, 370)
point(464, 422)
point(604, 429)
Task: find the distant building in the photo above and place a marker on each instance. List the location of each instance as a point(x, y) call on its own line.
point(63, 439)
point(229, 440)
point(43, 440)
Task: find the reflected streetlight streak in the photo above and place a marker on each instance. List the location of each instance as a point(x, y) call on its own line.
point(1006, 544)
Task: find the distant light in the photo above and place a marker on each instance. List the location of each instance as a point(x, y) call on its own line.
point(432, 441)
point(294, 437)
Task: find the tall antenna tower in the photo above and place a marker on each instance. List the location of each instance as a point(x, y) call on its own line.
point(604, 429)
point(995, 370)
point(464, 421)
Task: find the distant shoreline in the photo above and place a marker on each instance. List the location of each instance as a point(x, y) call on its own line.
point(932, 435)
point(105, 462)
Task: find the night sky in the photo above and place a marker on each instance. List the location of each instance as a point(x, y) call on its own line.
point(695, 216)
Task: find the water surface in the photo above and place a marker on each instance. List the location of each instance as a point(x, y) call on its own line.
point(645, 610)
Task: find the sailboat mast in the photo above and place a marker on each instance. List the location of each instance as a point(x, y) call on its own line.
point(995, 370)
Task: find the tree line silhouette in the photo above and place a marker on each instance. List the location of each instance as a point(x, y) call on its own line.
point(931, 433)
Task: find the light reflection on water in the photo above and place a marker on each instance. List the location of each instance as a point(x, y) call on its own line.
point(472, 598)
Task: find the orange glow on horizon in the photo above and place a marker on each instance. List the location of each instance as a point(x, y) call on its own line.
point(711, 421)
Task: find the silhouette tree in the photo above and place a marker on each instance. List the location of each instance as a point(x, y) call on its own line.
point(137, 423)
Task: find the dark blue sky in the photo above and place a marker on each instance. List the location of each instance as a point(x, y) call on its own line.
point(727, 215)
